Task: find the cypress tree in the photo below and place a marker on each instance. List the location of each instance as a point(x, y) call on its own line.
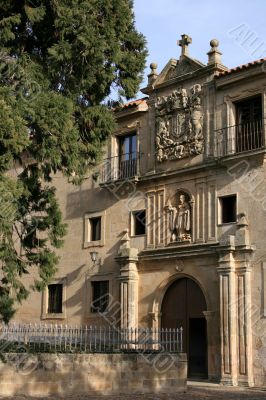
point(60, 61)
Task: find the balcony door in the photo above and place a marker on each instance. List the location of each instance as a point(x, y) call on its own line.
point(127, 156)
point(249, 129)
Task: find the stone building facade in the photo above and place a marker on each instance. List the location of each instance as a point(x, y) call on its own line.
point(172, 225)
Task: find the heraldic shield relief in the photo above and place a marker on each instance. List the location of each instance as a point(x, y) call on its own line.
point(179, 121)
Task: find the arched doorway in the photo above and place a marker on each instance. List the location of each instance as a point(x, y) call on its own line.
point(183, 305)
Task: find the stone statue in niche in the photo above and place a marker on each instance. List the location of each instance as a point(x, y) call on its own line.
point(180, 219)
point(179, 122)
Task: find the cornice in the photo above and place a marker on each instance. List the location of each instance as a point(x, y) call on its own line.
point(174, 251)
point(210, 70)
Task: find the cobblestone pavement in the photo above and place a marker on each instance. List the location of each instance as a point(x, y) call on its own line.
point(193, 393)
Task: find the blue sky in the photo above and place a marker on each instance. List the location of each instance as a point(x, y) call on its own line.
point(239, 25)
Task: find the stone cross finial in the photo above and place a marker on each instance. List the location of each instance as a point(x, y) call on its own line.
point(184, 43)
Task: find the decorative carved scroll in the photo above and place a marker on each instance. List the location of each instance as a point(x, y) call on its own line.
point(179, 120)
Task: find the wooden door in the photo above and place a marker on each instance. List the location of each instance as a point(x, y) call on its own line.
point(183, 306)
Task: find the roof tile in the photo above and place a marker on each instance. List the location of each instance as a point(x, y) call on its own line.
point(241, 67)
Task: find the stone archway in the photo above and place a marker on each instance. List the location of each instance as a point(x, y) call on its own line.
point(184, 305)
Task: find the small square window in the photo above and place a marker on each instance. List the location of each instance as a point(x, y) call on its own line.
point(228, 209)
point(100, 296)
point(139, 222)
point(55, 298)
point(95, 229)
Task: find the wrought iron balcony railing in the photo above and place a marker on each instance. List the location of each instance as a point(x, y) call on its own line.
point(124, 166)
point(240, 138)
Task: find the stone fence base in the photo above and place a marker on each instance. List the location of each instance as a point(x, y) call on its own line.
point(65, 374)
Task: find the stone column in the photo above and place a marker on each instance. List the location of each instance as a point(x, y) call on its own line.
point(128, 258)
point(226, 270)
point(151, 214)
point(235, 306)
point(129, 292)
point(245, 364)
point(200, 211)
point(243, 256)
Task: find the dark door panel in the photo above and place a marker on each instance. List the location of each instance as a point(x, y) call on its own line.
point(197, 348)
point(183, 306)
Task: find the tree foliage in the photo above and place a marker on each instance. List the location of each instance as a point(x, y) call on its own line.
point(59, 62)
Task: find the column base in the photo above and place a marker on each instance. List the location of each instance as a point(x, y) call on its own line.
point(228, 381)
point(245, 383)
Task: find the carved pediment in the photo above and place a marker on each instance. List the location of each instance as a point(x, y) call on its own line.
point(177, 68)
point(185, 66)
point(179, 121)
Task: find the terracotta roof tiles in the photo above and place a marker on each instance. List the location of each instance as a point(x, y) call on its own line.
point(134, 103)
point(241, 67)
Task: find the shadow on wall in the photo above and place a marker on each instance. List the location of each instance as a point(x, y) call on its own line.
point(76, 279)
point(96, 198)
point(90, 374)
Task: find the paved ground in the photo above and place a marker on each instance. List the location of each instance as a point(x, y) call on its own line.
point(193, 393)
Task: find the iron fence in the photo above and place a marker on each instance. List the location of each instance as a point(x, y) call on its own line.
point(118, 167)
point(88, 339)
point(237, 139)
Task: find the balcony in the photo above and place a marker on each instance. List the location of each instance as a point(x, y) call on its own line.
point(122, 167)
point(237, 139)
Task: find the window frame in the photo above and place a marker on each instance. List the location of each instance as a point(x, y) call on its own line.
point(123, 137)
point(54, 306)
point(92, 277)
point(94, 230)
point(45, 300)
point(250, 99)
point(248, 137)
point(229, 121)
point(115, 151)
point(133, 224)
point(94, 282)
point(87, 229)
point(220, 210)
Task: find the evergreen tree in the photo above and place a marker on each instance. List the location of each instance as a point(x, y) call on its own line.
point(59, 62)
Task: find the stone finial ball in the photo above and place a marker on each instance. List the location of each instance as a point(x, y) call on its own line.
point(153, 65)
point(214, 43)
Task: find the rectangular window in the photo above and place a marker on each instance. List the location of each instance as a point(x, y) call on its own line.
point(127, 156)
point(228, 209)
point(100, 296)
point(55, 298)
point(249, 132)
point(139, 222)
point(95, 229)
point(128, 146)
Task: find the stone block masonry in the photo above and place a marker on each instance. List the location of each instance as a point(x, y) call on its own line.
point(46, 374)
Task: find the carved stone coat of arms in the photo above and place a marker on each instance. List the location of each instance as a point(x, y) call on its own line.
point(179, 121)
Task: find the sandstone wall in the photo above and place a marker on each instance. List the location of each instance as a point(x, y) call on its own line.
point(65, 374)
